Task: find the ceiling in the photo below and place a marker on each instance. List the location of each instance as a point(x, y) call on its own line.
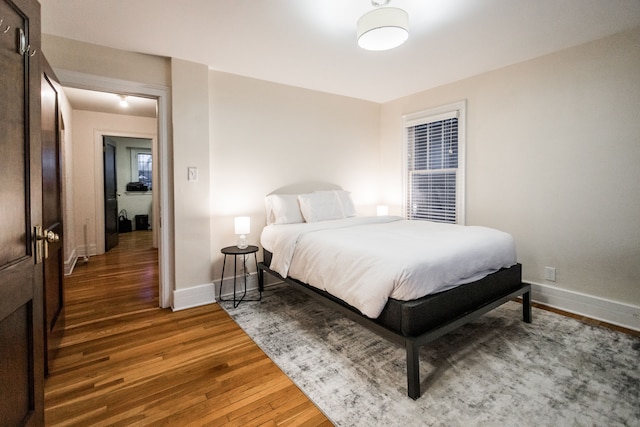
point(103, 102)
point(312, 43)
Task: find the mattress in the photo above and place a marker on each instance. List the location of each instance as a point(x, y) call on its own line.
point(368, 261)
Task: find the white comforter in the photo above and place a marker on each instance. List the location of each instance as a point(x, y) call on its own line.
point(366, 260)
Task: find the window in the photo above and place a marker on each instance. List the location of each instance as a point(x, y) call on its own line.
point(141, 166)
point(434, 144)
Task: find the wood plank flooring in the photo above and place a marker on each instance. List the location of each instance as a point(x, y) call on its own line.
point(125, 362)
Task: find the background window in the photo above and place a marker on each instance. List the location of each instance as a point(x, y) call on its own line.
point(144, 168)
point(141, 167)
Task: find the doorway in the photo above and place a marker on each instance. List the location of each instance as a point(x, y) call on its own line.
point(128, 186)
point(162, 214)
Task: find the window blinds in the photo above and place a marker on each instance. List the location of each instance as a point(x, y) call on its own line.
point(432, 151)
point(145, 166)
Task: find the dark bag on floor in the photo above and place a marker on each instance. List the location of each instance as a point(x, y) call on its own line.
point(124, 224)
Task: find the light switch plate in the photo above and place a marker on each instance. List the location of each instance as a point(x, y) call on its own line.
point(192, 173)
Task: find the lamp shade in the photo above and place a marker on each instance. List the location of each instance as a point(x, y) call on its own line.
point(382, 210)
point(242, 225)
point(383, 28)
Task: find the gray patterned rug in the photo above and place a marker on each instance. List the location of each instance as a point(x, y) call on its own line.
point(497, 370)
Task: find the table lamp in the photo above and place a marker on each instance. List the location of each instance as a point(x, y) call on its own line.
point(243, 227)
point(382, 210)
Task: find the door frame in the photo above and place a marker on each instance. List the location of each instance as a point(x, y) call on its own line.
point(165, 218)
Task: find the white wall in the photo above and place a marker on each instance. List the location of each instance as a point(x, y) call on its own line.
point(190, 97)
point(553, 148)
point(104, 61)
point(265, 136)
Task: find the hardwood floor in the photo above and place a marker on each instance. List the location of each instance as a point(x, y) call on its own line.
point(589, 320)
point(124, 361)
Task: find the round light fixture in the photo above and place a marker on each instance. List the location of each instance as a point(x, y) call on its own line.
point(383, 28)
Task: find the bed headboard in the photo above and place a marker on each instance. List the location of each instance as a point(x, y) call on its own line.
point(309, 201)
point(305, 187)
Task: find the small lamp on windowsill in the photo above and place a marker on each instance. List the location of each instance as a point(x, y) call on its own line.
point(242, 228)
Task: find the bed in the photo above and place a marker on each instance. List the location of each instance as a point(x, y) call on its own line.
point(409, 281)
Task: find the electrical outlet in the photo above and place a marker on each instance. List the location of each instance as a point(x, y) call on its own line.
point(550, 274)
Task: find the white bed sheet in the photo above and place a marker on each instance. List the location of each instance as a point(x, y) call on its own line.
point(364, 261)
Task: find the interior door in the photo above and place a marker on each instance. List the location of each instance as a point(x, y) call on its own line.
point(110, 196)
point(21, 321)
point(52, 216)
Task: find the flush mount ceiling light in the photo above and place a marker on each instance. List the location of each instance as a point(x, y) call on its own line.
point(383, 28)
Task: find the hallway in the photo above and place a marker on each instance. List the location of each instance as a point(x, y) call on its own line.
point(123, 281)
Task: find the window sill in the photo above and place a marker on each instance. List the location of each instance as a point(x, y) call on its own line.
point(138, 193)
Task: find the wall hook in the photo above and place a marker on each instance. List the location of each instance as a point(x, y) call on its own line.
point(23, 47)
point(27, 51)
point(7, 29)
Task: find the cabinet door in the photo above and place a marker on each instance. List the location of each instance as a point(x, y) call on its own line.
point(21, 312)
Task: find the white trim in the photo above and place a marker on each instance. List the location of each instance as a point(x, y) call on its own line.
point(196, 296)
point(445, 112)
point(193, 296)
point(70, 264)
point(252, 284)
point(614, 312)
point(456, 109)
point(86, 250)
point(165, 220)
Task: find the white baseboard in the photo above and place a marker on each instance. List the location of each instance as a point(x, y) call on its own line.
point(616, 313)
point(70, 264)
point(80, 251)
point(90, 250)
point(193, 296)
point(196, 296)
point(227, 290)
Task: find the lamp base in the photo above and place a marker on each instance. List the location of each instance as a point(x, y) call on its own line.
point(242, 242)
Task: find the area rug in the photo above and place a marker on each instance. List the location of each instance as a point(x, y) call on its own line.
point(496, 370)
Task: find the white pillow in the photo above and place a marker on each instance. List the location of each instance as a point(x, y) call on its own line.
point(320, 206)
point(284, 209)
point(348, 208)
point(271, 218)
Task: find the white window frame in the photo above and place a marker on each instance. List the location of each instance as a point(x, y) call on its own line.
point(456, 109)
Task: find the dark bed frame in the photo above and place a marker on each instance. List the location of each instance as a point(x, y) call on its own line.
point(416, 323)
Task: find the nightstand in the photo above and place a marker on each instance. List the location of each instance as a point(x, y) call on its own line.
point(235, 251)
